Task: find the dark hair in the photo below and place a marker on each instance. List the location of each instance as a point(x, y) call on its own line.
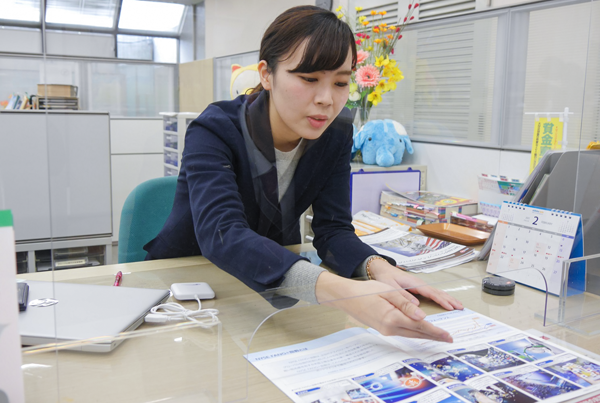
point(326, 49)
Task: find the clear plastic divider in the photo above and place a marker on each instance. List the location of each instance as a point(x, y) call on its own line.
point(181, 362)
point(579, 312)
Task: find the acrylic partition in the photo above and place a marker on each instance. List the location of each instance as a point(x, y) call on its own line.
point(570, 181)
point(174, 360)
point(205, 361)
point(181, 362)
point(579, 311)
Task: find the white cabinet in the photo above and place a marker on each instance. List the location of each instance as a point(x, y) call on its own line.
point(79, 160)
point(55, 177)
point(136, 155)
point(24, 186)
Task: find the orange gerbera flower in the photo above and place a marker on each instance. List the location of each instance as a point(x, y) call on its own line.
point(373, 12)
point(383, 12)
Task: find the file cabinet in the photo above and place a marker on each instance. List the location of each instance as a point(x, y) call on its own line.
point(55, 178)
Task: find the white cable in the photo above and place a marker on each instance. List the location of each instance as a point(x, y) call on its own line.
point(172, 311)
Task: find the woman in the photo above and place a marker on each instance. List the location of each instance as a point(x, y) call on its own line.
point(252, 166)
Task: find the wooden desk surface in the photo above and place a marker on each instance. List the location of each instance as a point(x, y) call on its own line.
point(207, 365)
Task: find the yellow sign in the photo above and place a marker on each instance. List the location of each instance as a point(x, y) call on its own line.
point(547, 136)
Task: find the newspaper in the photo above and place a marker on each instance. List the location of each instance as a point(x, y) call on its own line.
point(489, 362)
point(418, 253)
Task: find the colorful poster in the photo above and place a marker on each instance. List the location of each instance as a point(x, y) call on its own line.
point(490, 363)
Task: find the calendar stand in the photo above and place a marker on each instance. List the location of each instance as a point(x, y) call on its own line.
point(535, 237)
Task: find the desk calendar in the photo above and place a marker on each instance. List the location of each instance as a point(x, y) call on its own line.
point(529, 237)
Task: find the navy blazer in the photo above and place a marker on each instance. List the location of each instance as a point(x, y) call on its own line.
point(226, 203)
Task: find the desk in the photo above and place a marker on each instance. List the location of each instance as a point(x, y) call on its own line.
point(207, 365)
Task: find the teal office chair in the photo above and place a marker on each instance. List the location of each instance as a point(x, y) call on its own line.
point(145, 211)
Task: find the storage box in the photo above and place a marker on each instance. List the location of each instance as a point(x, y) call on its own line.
point(56, 90)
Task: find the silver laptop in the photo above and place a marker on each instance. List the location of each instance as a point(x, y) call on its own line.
point(83, 311)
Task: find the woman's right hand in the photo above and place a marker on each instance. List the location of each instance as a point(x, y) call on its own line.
point(377, 305)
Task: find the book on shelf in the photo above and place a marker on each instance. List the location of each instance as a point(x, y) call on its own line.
point(422, 207)
point(12, 102)
point(57, 90)
point(18, 102)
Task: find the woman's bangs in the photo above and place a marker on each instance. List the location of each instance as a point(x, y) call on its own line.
point(326, 50)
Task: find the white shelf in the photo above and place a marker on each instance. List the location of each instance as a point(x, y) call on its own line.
point(183, 118)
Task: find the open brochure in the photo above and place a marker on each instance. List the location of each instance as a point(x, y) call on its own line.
point(489, 362)
point(418, 253)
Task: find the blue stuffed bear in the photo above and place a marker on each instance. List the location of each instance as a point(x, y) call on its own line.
point(382, 142)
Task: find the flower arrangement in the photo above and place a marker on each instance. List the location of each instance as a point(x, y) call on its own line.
point(375, 72)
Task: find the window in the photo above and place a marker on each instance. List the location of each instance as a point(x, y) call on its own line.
point(151, 16)
point(94, 13)
point(121, 88)
point(560, 70)
point(21, 10)
point(477, 79)
point(447, 92)
point(161, 50)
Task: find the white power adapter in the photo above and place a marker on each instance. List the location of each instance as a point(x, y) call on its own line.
point(191, 291)
point(172, 311)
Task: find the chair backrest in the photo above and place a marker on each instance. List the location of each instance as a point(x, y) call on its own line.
point(145, 211)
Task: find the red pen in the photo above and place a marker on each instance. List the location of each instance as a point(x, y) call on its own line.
point(118, 278)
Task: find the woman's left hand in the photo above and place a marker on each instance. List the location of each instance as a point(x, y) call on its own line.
point(409, 284)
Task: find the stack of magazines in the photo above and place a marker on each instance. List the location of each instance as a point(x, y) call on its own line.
point(417, 253)
point(420, 207)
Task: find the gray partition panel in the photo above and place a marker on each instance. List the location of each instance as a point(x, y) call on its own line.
point(24, 173)
point(80, 186)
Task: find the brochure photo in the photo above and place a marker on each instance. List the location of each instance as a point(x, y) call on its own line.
point(489, 362)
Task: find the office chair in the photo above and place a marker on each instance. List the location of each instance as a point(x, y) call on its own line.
point(145, 211)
